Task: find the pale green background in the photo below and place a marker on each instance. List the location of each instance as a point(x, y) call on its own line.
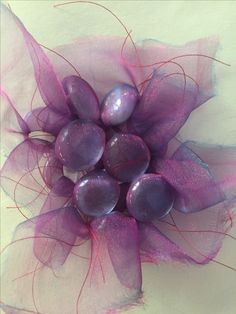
point(169, 289)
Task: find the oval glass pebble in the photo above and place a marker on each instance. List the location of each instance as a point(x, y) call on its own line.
point(150, 197)
point(119, 104)
point(82, 98)
point(80, 145)
point(96, 193)
point(126, 156)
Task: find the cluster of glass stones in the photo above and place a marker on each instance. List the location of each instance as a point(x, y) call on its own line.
point(112, 167)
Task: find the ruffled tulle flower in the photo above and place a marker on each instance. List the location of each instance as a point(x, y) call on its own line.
point(61, 260)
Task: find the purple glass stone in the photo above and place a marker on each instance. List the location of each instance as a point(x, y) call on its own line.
point(80, 145)
point(150, 197)
point(119, 104)
point(82, 98)
point(96, 193)
point(126, 156)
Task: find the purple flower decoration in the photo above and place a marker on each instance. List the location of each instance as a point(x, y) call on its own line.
point(95, 161)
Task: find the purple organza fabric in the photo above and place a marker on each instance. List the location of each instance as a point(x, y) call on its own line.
point(66, 264)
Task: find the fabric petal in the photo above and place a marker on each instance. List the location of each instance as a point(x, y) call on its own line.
point(49, 86)
point(123, 249)
point(87, 274)
point(175, 89)
point(13, 126)
point(202, 175)
point(29, 81)
point(21, 176)
point(194, 57)
point(17, 76)
point(53, 170)
point(20, 121)
point(59, 196)
point(156, 247)
point(199, 235)
point(222, 164)
point(46, 120)
point(30, 278)
point(195, 186)
point(55, 235)
point(204, 179)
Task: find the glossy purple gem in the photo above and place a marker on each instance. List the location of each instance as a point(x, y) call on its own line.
point(82, 98)
point(80, 145)
point(119, 104)
point(126, 156)
point(96, 193)
point(150, 197)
